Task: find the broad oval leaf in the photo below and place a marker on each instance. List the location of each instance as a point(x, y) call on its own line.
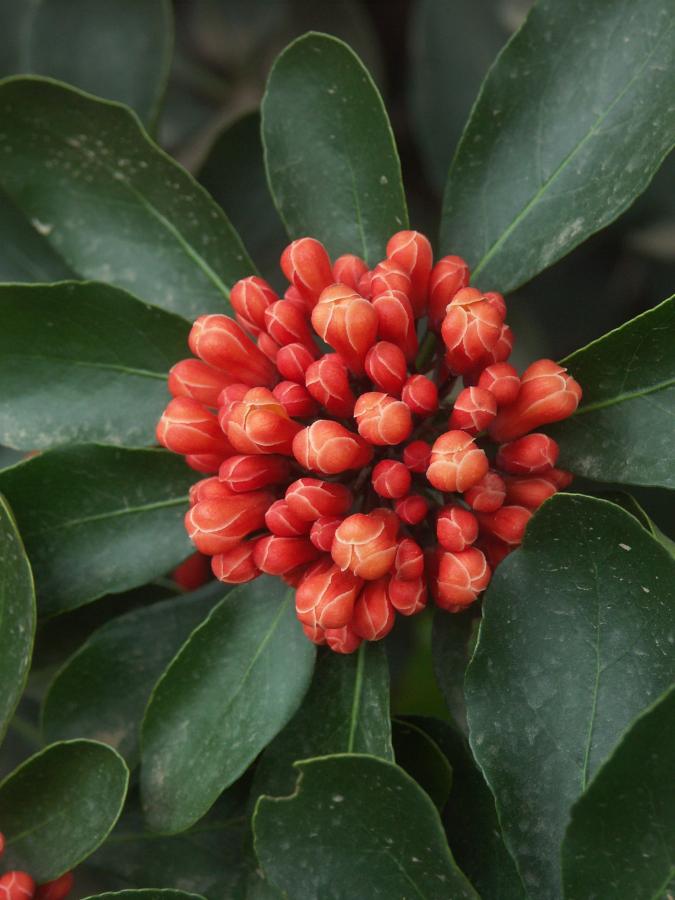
point(146, 894)
point(25, 254)
point(356, 826)
point(98, 520)
point(453, 638)
point(575, 643)
point(419, 755)
point(622, 431)
point(330, 154)
point(59, 805)
point(621, 837)
point(549, 157)
point(83, 362)
point(17, 616)
point(232, 687)
point(101, 692)
point(113, 205)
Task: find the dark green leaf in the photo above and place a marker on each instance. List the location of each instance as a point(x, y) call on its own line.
point(571, 123)
point(25, 255)
point(233, 686)
point(421, 757)
point(17, 616)
point(329, 150)
point(102, 691)
point(112, 204)
point(356, 827)
point(145, 894)
point(83, 362)
point(60, 805)
point(453, 640)
point(98, 520)
point(621, 837)
point(622, 431)
point(573, 646)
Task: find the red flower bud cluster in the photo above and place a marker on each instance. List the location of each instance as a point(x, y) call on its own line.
point(366, 476)
point(18, 885)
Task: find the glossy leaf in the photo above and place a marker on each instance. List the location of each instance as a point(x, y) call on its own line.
point(59, 805)
point(232, 687)
point(102, 690)
point(17, 616)
point(570, 125)
point(356, 826)
point(329, 150)
point(83, 362)
point(621, 837)
point(453, 641)
point(111, 203)
point(25, 255)
point(145, 894)
point(421, 757)
point(575, 643)
point(98, 520)
point(622, 431)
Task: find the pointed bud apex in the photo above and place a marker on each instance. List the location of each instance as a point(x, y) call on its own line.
point(186, 426)
point(461, 578)
point(349, 270)
point(456, 462)
point(323, 532)
point(327, 380)
point(456, 528)
point(16, 885)
point(215, 526)
point(497, 302)
point(250, 473)
point(530, 490)
point(193, 572)
point(395, 322)
point(293, 360)
point(528, 455)
point(409, 560)
point(391, 479)
point(386, 367)
point(236, 566)
point(276, 555)
point(387, 276)
point(470, 330)
point(502, 380)
point(286, 324)
point(282, 521)
point(197, 380)
point(411, 251)
point(326, 596)
point(347, 322)
point(365, 546)
point(381, 419)
point(260, 424)
point(206, 463)
point(307, 266)
point(417, 456)
point(374, 616)
point(310, 499)
point(222, 343)
point(296, 400)
point(488, 494)
point(408, 597)
point(343, 640)
point(420, 395)
point(329, 448)
point(561, 478)
point(508, 523)
point(250, 297)
point(473, 411)
point(447, 277)
point(412, 509)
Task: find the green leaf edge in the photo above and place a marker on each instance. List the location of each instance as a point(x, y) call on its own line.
point(167, 58)
point(145, 892)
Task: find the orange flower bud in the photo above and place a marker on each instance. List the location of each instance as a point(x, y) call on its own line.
point(250, 297)
point(347, 322)
point(388, 276)
point(528, 455)
point(461, 578)
point(293, 360)
point(349, 270)
point(55, 890)
point(381, 419)
point(409, 560)
point(411, 251)
point(412, 509)
point(327, 447)
point(16, 885)
point(508, 523)
point(222, 343)
point(447, 277)
point(390, 519)
point(456, 462)
point(529, 490)
point(417, 456)
point(364, 545)
point(386, 367)
point(391, 479)
point(236, 566)
point(215, 526)
point(456, 528)
point(502, 380)
point(268, 346)
point(395, 322)
point(470, 330)
point(473, 410)
point(364, 285)
point(323, 532)
point(209, 489)
point(295, 399)
point(327, 380)
point(547, 394)
point(373, 616)
point(343, 640)
point(197, 380)
point(286, 324)
point(186, 426)
point(206, 463)
point(420, 395)
point(326, 596)
point(496, 301)
point(408, 596)
point(250, 473)
point(192, 573)
point(294, 296)
point(260, 424)
point(315, 633)
point(279, 555)
point(282, 521)
point(310, 499)
point(307, 266)
point(488, 494)
point(231, 394)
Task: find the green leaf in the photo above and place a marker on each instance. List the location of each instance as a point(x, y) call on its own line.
point(621, 837)
point(571, 123)
point(17, 616)
point(330, 155)
point(121, 51)
point(102, 690)
point(232, 687)
point(25, 255)
point(145, 894)
point(112, 204)
point(355, 827)
point(98, 520)
point(83, 362)
point(421, 757)
point(575, 643)
point(59, 805)
point(453, 640)
point(622, 431)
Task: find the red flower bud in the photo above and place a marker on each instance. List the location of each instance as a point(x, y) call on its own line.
point(349, 270)
point(386, 367)
point(250, 473)
point(250, 297)
point(502, 349)
point(389, 517)
point(420, 395)
point(282, 521)
point(260, 424)
point(326, 596)
point(327, 380)
point(293, 360)
point(236, 566)
point(381, 419)
point(530, 490)
point(278, 555)
point(315, 633)
point(387, 276)
point(461, 578)
point(409, 560)
point(395, 322)
point(16, 886)
point(232, 394)
point(447, 277)
point(411, 251)
point(347, 322)
point(307, 266)
point(547, 394)
point(209, 489)
point(364, 545)
point(186, 426)
point(497, 302)
point(329, 448)
point(286, 324)
point(470, 330)
point(197, 380)
point(373, 616)
point(343, 640)
point(502, 380)
point(417, 456)
point(473, 411)
point(495, 550)
point(412, 509)
point(456, 462)
point(508, 523)
point(206, 463)
point(488, 494)
point(391, 479)
point(192, 573)
point(529, 455)
point(57, 889)
point(222, 343)
point(215, 526)
point(560, 478)
point(295, 399)
point(323, 532)
point(310, 499)
point(268, 346)
point(456, 528)
point(408, 597)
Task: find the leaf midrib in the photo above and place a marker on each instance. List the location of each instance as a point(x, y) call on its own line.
point(111, 514)
point(89, 364)
point(623, 398)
